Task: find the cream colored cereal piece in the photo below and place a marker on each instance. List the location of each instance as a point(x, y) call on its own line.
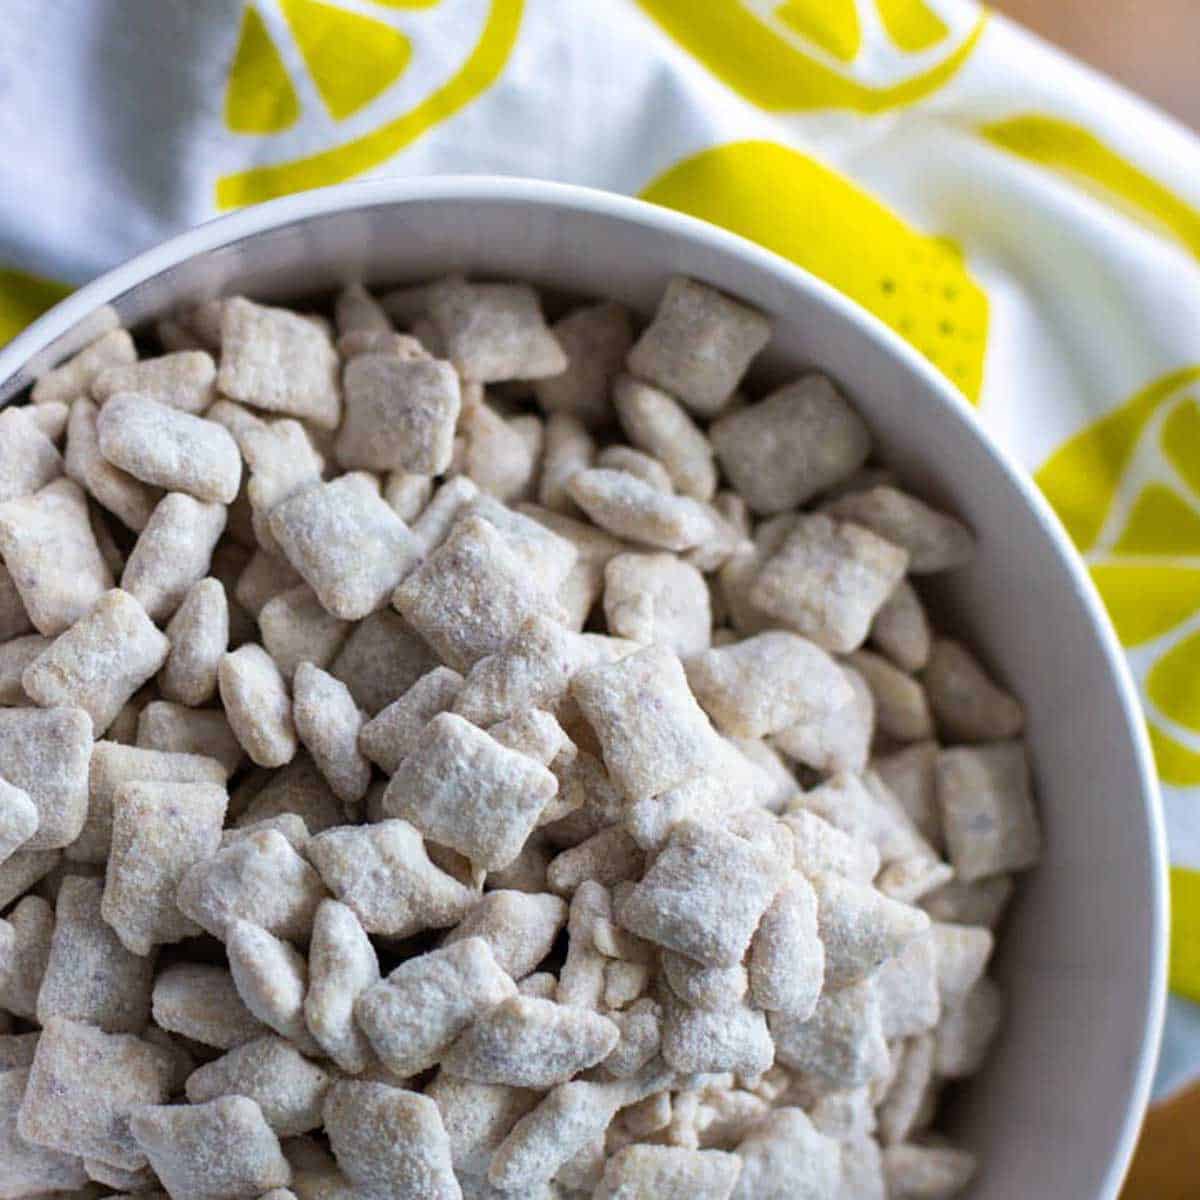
point(295, 629)
point(347, 544)
point(291, 825)
point(541, 984)
point(733, 1039)
point(15, 655)
point(328, 724)
point(901, 707)
point(20, 871)
point(199, 636)
point(258, 878)
point(629, 507)
point(183, 381)
point(408, 494)
point(221, 1150)
point(739, 573)
point(167, 448)
point(711, 988)
point(390, 736)
point(463, 789)
point(400, 415)
point(257, 705)
point(355, 309)
point(624, 982)
point(963, 952)
point(581, 979)
point(45, 753)
point(653, 733)
point(160, 830)
point(588, 801)
point(175, 728)
point(536, 734)
point(828, 580)
point(647, 1116)
point(569, 449)
point(443, 510)
point(965, 1032)
point(124, 725)
point(915, 1172)
point(968, 706)
point(477, 1117)
point(28, 459)
point(172, 553)
point(379, 341)
point(278, 360)
point(127, 1183)
point(862, 1170)
point(546, 554)
point(606, 857)
point(699, 345)
point(800, 440)
point(25, 939)
point(518, 928)
point(50, 551)
point(910, 775)
point(282, 461)
point(641, 1038)
point(112, 765)
point(74, 377)
point(494, 331)
point(787, 959)
point(786, 1157)
point(704, 894)
point(86, 1112)
point(635, 462)
point(496, 454)
point(934, 540)
point(909, 879)
point(90, 976)
point(264, 577)
point(901, 629)
point(865, 809)
point(726, 1116)
point(201, 1003)
point(14, 620)
point(907, 986)
point(840, 740)
point(299, 788)
point(526, 1042)
point(657, 598)
point(471, 595)
point(649, 1172)
point(18, 819)
point(51, 418)
point(981, 902)
point(341, 966)
point(987, 809)
point(288, 1088)
point(383, 873)
point(844, 1115)
point(271, 977)
point(860, 927)
point(907, 1108)
point(596, 340)
point(99, 662)
point(425, 1003)
point(390, 1142)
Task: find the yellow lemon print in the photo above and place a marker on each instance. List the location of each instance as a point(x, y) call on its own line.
point(806, 54)
point(23, 298)
point(1127, 489)
point(799, 208)
point(1185, 932)
point(368, 72)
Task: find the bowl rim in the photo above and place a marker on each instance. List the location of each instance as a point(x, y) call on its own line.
point(359, 195)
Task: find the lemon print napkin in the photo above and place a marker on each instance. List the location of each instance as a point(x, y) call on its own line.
point(1028, 226)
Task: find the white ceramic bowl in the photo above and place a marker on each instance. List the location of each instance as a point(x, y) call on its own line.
point(1055, 1113)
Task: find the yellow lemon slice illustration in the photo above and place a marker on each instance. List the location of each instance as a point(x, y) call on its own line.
point(23, 298)
point(806, 54)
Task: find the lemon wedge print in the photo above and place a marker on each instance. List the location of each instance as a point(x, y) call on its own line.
point(790, 55)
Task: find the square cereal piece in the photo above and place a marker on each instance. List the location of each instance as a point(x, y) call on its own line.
point(669, 1173)
point(28, 459)
point(699, 345)
point(381, 660)
point(629, 507)
point(347, 544)
point(258, 705)
point(987, 809)
point(342, 965)
point(73, 378)
point(494, 331)
point(200, 1002)
point(49, 549)
point(393, 733)
point(183, 380)
point(129, 500)
point(471, 595)
point(596, 340)
point(279, 361)
point(14, 620)
point(45, 752)
point(828, 580)
point(400, 415)
point(295, 629)
point(658, 598)
point(18, 819)
point(199, 636)
point(25, 1168)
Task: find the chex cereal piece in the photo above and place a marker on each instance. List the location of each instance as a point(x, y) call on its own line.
point(657, 423)
point(328, 724)
point(786, 1157)
point(45, 753)
point(652, 732)
point(640, 1172)
point(22, 870)
point(828, 580)
point(400, 415)
point(477, 1117)
point(526, 1042)
point(962, 953)
point(657, 598)
point(341, 966)
point(545, 553)
point(18, 819)
point(739, 573)
point(581, 978)
point(840, 740)
point(500, 456)
point(72, 379)
point(518, 928)
point(51, 418)
point(909, 879)
point(864, 808)
point(907, 1108)
point(412, 1016)
point(50, 551)
point(14, 620)
point(271, 977)
point(965, 1033)
point(916, 1172)
point(443, 510)
point(291, 825)
point(391, 735)
point(907, 985)
point(408, 494)
point(201, 1003)
point(24, 950)
point(629, 507)
point(699, 345)
point(99, 662)
point(987, 809)
point(216, 1151)
point(175, 728)
point(647, 468)
point(282, 461)
point(541, 984)
point(168, 448)
point(461, 788)
point(383, 873)
point(606, 857)
point(90, 976)
point(494, 331)
point(569, 448)
point(389, 1141)
point(27, 1169)
point(641, 1034)
point(257, 705)
point(980, 902)
point(264, 577)
point(596, 340)
point(733, 1039)
point(183, 381)
point(355, 309)
point(787, 959)
point(258, 878)
point(901, 628)
point(968, 706)
point(901, 707)
point(844, 1115)
point(295, 628)
point(83, 1086)
point(160, 830)
point(536, 734)
point(28, 459)
point(199, 636)
point(172, 553)
point(910, 774)
point(347, 544)
point(934, 540)
point(299, 788)
point(288, 1088)
point(704, 895)
point(279, 361)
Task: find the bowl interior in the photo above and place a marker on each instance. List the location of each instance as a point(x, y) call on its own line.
point(1055, 1111)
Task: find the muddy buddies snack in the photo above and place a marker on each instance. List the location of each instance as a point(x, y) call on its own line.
point(450, 754)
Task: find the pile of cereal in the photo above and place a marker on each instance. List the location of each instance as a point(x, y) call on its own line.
point(498, 759)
